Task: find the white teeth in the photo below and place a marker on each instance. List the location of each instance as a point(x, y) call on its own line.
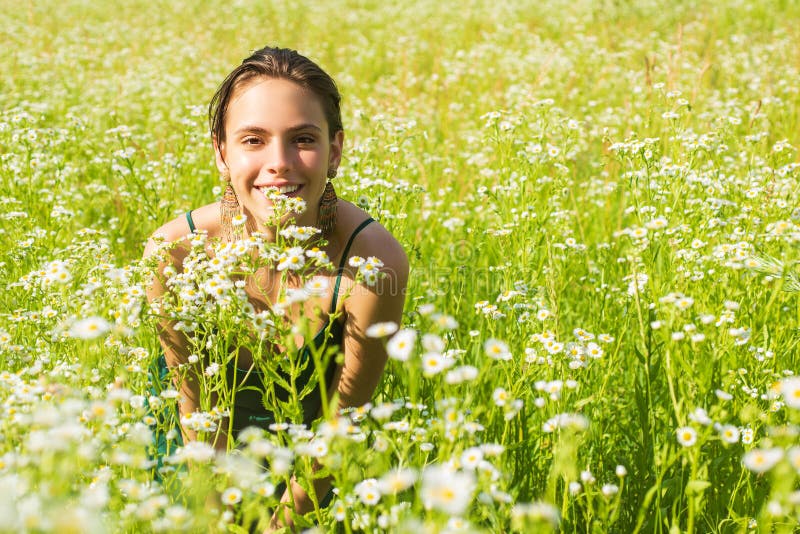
point(283, 190)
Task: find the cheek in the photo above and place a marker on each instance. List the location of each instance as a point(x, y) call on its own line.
point(315, 160)
point(244, 161)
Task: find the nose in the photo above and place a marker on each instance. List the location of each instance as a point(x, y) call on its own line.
point(278, 158)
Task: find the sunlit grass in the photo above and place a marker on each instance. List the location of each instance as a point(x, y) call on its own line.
point(600, 206)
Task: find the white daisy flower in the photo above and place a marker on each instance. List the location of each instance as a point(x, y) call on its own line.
point(300, 233)
point(315, 448)
point(317, 286)
point(379, 330)
point(729, 434)
point(194, 451)
point(356, 261)
point(609, 490)
point(762, 460)
point(396, 481)
point(500, 397)
point(368, 492)
point(434, 363)
point(433, 343)
point(292, 259)
point(402, 343)
point(445, 321)
point(687, 436)
point(232, 496)
point(89, 328)
point(593, 350)
point(471, 457)
point(339, 511)
point(723, 395)
point(700, 415)
point(447, 490)
point(464, 373)
point(497, 350)
point(790, 389)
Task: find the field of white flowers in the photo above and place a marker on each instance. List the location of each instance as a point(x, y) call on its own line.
point(601, 205)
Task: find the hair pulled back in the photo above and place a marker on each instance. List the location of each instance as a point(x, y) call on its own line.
point(285, 64)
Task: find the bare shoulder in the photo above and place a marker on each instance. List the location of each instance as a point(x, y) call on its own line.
point(375, 240)
point(177, 231)
point(169, 245)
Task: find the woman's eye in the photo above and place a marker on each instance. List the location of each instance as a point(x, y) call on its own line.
point(251, 140)
point(305, 140)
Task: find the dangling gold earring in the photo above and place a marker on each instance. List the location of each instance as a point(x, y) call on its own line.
point(228, 209)
point(326, 220)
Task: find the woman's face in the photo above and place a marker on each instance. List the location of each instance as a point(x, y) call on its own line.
point(276, 135)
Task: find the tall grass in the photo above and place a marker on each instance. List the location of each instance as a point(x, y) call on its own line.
point(600, 205)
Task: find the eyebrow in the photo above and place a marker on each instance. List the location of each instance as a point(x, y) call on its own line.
point(260, 130)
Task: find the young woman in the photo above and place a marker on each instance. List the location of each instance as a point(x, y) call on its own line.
point(275, 123)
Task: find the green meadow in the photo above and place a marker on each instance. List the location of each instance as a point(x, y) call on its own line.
point(600, 202)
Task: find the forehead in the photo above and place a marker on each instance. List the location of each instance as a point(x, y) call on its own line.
point(273, 103)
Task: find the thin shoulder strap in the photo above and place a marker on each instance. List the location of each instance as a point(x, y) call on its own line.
point(190, 221)
point(343, 262)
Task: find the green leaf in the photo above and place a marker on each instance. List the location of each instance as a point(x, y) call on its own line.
point(696, 487)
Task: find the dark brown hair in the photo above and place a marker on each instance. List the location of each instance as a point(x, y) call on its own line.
point(280, 63)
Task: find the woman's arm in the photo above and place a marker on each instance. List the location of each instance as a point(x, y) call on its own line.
point(364, 357)
point(174, 343)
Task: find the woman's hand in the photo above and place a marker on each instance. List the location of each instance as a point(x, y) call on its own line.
point(303, 504)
